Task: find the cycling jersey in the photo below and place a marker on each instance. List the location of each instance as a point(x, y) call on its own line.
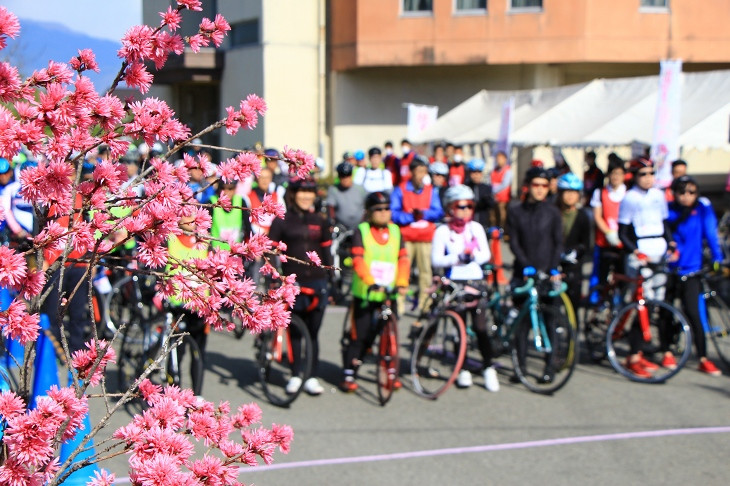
point(448, 245)
point(644, 212)
point(691, 227)
point(374, 180)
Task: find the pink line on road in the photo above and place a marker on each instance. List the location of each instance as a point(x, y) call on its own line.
point(483, 448)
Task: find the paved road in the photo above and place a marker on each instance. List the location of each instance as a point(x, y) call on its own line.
point(599, 429)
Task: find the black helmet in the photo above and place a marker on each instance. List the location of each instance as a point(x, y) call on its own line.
point(680, 183)
point(536, 173)
point(375, 199)
point(344, 169)
point(306, 184)
point(374, 151)
point(417, 161)
point(641, 163)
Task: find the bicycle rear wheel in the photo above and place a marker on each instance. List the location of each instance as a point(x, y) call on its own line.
point(541, 368)
point(438, 354)
point(666, 323)
point(388, 360)
point(131, 354)
point(276, 360)
point(596, 319)
point(718, 320)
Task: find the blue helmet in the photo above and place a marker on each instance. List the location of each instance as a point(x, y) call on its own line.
point(359, 155)
point(569, 182)
point(476, 165)
point(4, 165)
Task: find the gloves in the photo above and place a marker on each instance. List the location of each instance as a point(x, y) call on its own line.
point(612, 238)
point(570, 257)
point(466, 258)
point(417, 215)
point(528, 271)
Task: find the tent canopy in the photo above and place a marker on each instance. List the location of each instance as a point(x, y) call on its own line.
point(599, 112)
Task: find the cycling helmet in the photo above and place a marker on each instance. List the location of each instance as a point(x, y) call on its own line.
point(4, 165)
point(438, 168)
point(458, 193)
point(306, 184)
point(344, 169)
point(359, 155)
point(537, 163)
point(319, 163)
point(535, 173)
point(476, 165)
point(375, 199)
point(680, 183)
point(553, 172)
point(417, 161)
point(271, 153)
point(641, 163)
point(570, 182)
point(347, 156)
point(28, 164)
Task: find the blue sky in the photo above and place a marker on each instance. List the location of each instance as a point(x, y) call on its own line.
point(105, 19)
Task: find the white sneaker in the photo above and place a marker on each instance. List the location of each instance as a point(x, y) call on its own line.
point(313, 387)
point(464, 379)
point(491, 382)
point(293, 385)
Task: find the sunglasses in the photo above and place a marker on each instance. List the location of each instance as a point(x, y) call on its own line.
point(380, 208)
point(687, 191)
point(465, 206)
point(642, 174)
point(544, 185)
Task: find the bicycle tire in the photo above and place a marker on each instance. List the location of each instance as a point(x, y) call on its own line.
point(274, 360)
point(388, 360)
point(718, 320)
point(596, 319)
point(131, 355)
point(541, 371)
point(626, 322)
point(438, 354)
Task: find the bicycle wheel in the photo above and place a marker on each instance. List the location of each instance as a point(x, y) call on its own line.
point(186, 356)
point(388, 360)
point(718, 320)
point(131, 355)
point(541, 368)
point(438, 354)
point(276, 360)
point(666, 323)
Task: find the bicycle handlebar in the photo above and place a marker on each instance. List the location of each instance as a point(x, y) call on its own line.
point(530, 284)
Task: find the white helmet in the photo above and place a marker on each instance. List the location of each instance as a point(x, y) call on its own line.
point(459, 193)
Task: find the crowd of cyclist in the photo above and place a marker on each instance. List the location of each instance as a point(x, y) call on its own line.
point(435, 212)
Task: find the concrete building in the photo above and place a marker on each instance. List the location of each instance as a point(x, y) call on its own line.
point(336, 73)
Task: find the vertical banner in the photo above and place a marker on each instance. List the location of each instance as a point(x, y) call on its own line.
point(420, 117)
point(504, 142)
point(665, 142)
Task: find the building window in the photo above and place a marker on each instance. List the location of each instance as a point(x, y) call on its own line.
point(245, 33)
point(417, 6)
point(655, 3)
point(526, 4)
point(474, 5)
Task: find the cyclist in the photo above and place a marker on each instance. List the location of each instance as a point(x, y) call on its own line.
point(483, 199)
point(646, 237)
point(379, 259)
point(303, 230)
point(461, 247)
point(693, 222)
point(439, 171)
point(232, 224)
point(605, 204)
point(535, 229)
point(576, 234)
point(345, 200)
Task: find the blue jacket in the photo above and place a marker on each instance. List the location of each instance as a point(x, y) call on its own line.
point(691, 233)
point(433, 214)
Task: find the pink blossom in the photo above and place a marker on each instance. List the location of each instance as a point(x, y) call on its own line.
point(312, 255)
point(85, 60)
point(191, 4)
point(136, 44)
point(10, 405)
point(102, 478)
point(197, 41)
point(16, 323)
point(9, 82)
point(34, 282)
point(137, 76)
point(12, 268)
point(256, 103)
point(171, 18)
point(282, 435)
point(211, 470)
point(247, 414)
point(9, 26)
point(84, 360)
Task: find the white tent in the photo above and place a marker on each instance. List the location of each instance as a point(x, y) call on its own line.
point(600, 112)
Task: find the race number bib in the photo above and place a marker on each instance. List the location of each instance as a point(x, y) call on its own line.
point(383, 273)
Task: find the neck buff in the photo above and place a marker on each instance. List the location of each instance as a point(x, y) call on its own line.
point(458, 224)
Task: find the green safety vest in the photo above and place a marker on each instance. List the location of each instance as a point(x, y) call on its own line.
point(226, 224)
point(382, 260)
point(176, 249)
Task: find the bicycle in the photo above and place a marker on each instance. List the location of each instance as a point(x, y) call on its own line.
point(641, 325)
point(540, 338)
point(384, 329)
point(275, 356)
point(341, 261)
point(163, 345)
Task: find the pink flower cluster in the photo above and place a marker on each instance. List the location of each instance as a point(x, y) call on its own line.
point(247, 115)
point(30, 435)
point(300, 162)
point(161, 447)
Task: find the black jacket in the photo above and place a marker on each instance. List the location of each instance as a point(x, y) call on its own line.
point(535, 236)
point(484, 201)
point(303, 232)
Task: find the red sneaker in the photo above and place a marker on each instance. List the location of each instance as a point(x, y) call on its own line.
point(709, 367)
point(669, 362)
point(397, 385)
point(348, 386)
point(637, 369)
point(648, 365)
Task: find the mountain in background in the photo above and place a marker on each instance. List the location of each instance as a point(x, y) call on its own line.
point(40, 42)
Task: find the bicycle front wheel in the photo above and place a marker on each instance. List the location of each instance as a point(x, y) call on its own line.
point(282, 355)
point(718, 320)
point(596, 319)
point(388, 361)
point(438, 354)
point(545, 355)
point(665, 329)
